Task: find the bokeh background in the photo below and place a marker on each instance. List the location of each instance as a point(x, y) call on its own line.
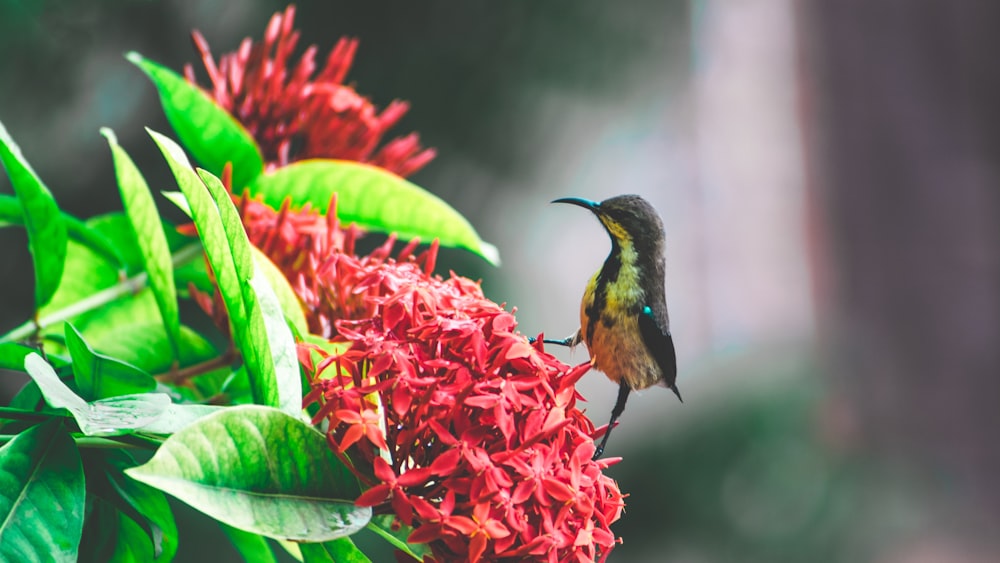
point(827, 173)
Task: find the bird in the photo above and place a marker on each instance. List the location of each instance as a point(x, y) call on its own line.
point(623, 314)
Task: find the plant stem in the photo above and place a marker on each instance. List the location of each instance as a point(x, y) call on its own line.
point(103, 297)
point(179, 377)
point(8, 413)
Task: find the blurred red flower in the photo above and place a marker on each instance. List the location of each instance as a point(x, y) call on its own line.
point(294, 115)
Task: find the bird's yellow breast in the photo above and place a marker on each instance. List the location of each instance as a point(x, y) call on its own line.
point(611, 330)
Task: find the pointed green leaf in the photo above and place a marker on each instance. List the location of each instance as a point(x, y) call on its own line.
point(46, 229)
point(149, 509)
point(79, 231)
point(262, 471)
point(220, 255)
point(12, 355)
point(145, 345)
point(268, 315)
point(148, 228)
point(42, 495)
point(267, 323)
point(288, 300)
point(86, 273)
point(106, 417)
point(136, 518)
point(253, 547)
point(374, 199)
point(116, 228)
point(98, 376)
point(232, 268)
point(212, 135)
point(340, 550)
point(131, 543)
point(292, 548)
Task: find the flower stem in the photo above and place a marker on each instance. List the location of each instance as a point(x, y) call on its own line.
point(103, 297)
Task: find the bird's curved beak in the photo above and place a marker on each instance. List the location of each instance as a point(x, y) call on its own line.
point(580, 202)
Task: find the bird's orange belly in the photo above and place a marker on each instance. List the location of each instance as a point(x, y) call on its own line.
point(620, 353)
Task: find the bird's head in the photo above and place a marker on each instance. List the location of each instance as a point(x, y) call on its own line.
point(629, 219)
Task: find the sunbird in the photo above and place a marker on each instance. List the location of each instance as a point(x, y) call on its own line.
point(623, 314)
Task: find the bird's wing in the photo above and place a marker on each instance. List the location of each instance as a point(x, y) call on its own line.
point(661, 346)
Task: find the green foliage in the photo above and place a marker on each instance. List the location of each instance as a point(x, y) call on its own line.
point(207, 130)
point(113, 366)
point(145, 523)
point(367, 195)
point(340, 550)
point(253, 547)
point(145, 220)
point(247, 301)
point(259, 470)
point(374, 199)
point(104, 417)
point(98, 376)
point(42, 497)
point(46, 230)
point(79, 231)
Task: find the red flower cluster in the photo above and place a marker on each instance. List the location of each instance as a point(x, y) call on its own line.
point(288, 109)
point(456, 423)
point(473, 434)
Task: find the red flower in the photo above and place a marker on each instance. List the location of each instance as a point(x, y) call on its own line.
point(473, 434)
point(480, 445)
point(462, 429)
point(294, 115)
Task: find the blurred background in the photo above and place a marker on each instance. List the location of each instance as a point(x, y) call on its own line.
point(827, 175)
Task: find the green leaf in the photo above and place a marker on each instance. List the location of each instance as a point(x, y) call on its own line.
point(253, 547)
point(227, 263)
point(79, 231)
point(42, 496)
point(212, 135)
point(292, 548)
point(374, 199)
point(132, 543)
point(340, 550)
point(46, 230)
point(177, 416)
point(98, 376)
point(107, 417)
point(86, 273)
point(396, 534)
point(288, 300)
point(146, 346)
point(262, 471)
point(145, 220)
point(116, 228)
point(100, 529)
point(145, 506)
point(12, 355)
point(266, 320)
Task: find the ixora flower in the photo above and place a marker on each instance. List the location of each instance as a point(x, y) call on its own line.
point(461, 428)
point(294, 115)
point(454, 422)
point(457, 425)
